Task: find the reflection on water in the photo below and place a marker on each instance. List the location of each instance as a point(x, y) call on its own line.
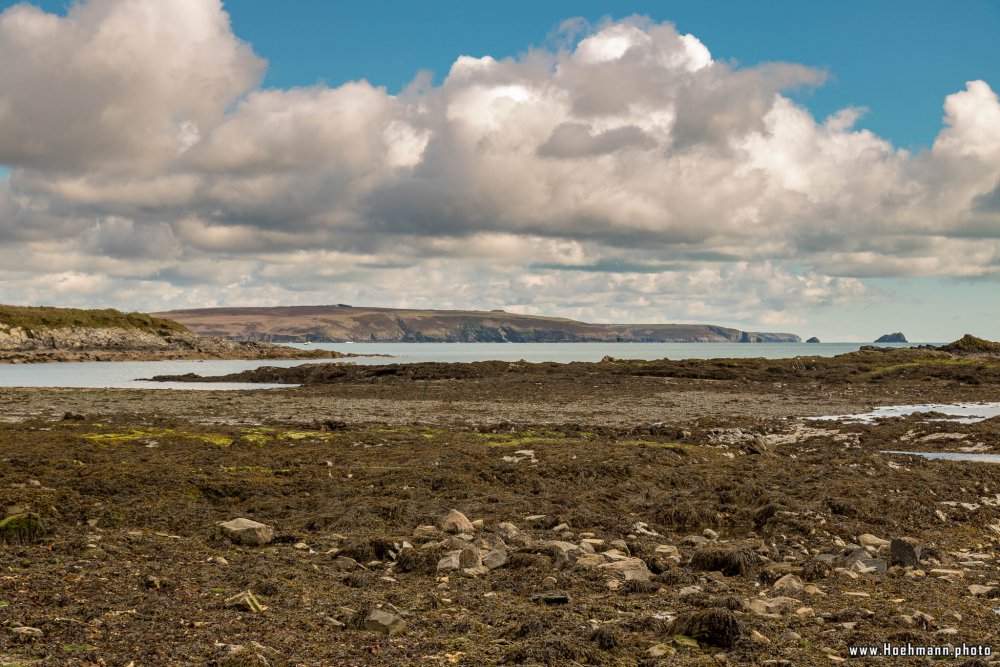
point(951, 456)
point(960, 413)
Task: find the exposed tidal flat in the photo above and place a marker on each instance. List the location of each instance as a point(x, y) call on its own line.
point(614, 512)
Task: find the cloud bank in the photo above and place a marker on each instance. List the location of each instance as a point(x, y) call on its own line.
point(624, 176)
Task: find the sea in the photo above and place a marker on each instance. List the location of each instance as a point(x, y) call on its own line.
point(132, 374)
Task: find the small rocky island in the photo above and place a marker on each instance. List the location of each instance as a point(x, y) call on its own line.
point(813, 340)
point(43, 334)
point(897, 337)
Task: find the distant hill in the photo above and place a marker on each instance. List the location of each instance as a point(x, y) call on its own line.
point(342, 323)
point(897, 337)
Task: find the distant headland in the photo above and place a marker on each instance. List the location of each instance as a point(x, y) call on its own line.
point(343, 323)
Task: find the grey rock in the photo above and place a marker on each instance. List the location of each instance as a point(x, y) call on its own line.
point(632, 568)
point(875, 564)
point(456, 522)
point(246, 531)
point(563, 550)
point(508, 531)
point(451, 561)
point(495, 558)
point(854, 555)
point(378, 620)
point(345, 564)
point(470, 557)
point(789, 584)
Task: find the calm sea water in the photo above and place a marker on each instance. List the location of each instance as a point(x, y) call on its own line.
point(127, 374)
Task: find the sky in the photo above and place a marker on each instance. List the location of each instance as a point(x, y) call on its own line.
point(825, 169)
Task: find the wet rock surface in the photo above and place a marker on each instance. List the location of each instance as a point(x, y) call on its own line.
point(659, 534)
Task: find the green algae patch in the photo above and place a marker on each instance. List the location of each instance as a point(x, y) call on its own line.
point(526, 439)
point(77, 648)
point(21, 529)
point(299, 435)
point(212, 439)
point(108, 439)
point(127, 436)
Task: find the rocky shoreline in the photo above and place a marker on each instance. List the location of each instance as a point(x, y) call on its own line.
point(621, 513)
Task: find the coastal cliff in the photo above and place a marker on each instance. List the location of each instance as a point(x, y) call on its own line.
point(343, 323)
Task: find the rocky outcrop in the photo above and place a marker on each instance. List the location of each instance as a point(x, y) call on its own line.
point(970, 345)
point(813, 340)
point(897, 337)
point(26, 345)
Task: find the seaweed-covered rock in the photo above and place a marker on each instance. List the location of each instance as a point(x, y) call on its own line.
point(720, 627)
point(730, 561)
point(21, 528)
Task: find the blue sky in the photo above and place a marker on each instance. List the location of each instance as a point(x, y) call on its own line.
point(487, 190)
